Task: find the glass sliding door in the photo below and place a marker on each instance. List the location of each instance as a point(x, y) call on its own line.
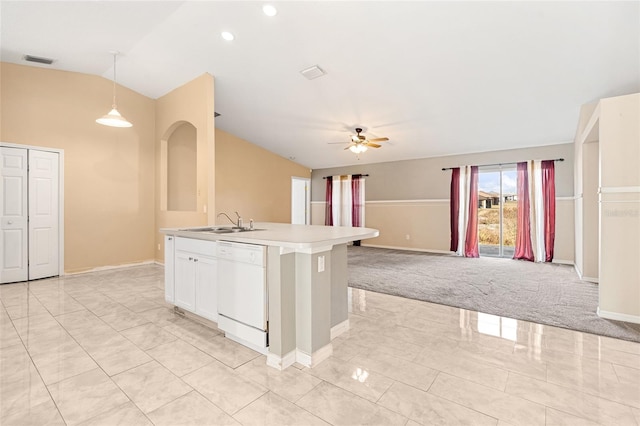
point(497, 211)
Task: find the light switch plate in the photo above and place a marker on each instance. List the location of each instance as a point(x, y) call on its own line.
point(320, 263)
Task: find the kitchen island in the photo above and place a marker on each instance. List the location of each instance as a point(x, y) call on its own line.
point(305, 283)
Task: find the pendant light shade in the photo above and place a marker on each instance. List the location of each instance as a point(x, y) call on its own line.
point(114, 118)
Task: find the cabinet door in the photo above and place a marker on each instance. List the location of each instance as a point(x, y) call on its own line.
point(185, 280)
point(206, 289)
point(169, 268)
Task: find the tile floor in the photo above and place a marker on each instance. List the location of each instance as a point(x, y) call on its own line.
point(103, 349)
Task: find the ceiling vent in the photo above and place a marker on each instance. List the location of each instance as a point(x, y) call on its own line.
point(313, 72)
point(38, 59)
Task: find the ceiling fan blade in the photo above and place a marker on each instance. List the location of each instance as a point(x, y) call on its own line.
point(350, 145)
point(337, 143)
point(378, 140)
point(373, 145)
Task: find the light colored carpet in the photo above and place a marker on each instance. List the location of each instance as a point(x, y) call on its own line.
point(544, 293)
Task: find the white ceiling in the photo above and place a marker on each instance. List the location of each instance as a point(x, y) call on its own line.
point(437, 78)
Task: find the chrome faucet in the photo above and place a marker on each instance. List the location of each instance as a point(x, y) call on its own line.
point(238, 224)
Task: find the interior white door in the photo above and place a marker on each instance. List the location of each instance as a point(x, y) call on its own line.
point(43, 214)
point(13, 228)
point(300, 201)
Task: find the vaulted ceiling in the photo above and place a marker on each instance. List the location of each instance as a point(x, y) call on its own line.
point(436, 78)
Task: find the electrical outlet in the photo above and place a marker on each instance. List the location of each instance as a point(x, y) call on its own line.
point(320, 263)
point(408, 237)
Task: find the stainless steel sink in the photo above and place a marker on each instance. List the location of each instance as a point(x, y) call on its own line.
point(221, 229)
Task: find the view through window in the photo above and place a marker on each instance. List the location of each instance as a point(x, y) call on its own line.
point(497, 211)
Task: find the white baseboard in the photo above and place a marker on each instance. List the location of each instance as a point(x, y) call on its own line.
point(618, 316)
point(591, 279)
point(315, 358)
point(109, 267)
point(279, 362)
point(410, 249)
point(563, 262)
point(338, 329)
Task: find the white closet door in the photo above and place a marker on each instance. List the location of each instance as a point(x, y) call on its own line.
point(43, 214)
point(13, 208)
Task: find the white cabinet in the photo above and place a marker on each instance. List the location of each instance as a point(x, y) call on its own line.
point(169, 268)
point(194, 276)
point(206, 289)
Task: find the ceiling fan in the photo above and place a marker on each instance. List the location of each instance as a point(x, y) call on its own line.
point(359, 143)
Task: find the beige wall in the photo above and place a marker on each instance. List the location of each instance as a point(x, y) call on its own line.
point(191, 103)
point(408, 201)
point(253, 181)
point(619, 142)
point(108, 172)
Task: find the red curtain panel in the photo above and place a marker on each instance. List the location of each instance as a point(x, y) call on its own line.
point(454, 207)
point(356, 204)
point(471, 240)
point(549, 199)
point(328, 209)
point(523, 249)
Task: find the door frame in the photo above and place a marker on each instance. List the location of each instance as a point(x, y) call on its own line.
point(60, 153)
point(307, 207)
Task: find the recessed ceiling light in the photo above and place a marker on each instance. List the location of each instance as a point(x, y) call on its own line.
point(269, 10)
point(227, 35)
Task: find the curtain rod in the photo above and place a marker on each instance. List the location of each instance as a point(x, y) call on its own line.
point(358, 175)
point(499, 164)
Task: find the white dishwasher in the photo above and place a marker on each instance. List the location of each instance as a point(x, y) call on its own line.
point(242, 293)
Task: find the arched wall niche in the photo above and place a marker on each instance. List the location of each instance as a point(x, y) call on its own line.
point(179, 166)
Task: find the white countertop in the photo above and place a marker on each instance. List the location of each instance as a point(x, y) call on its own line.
point(297, 237)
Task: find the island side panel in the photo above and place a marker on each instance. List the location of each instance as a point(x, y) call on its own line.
point(313, 307)
point(282, 311)
point(339, 284)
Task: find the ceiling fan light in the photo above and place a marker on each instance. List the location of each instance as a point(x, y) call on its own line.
point(357, 149)
point(269, 10)
point(114, 119)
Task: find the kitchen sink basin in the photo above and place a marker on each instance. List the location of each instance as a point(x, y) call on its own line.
point(220, 229)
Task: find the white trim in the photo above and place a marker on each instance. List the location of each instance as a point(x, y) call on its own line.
point(338, 329)
point(590, 279)
point(411, 249)
point(618, 316)
point(316, 358)
point(618, 189)
point(563, 262)
point(318, 202)
point(281, 362)
point(594, 120)
point(578, 271)
point(307, 195)
point(618, 201)
point(109, 267)
point(570, 198)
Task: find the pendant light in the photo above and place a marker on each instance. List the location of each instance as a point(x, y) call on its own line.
point(113, 118)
